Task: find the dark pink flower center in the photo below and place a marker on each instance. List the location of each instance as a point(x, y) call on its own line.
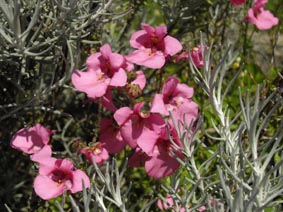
point(60, 176)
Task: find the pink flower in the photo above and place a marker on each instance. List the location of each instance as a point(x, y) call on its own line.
point(176, 98)
point(57, 176)
point(96, 151)
point(196, 56)
point(111, 137)
point(133, 123)
point(104, 69)
point(170, 96)
point(31, 140)
point(263, 19)
point(237, 2)
point(153, 46)
point(160, 161)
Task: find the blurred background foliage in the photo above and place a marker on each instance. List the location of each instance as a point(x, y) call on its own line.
point(44, 41)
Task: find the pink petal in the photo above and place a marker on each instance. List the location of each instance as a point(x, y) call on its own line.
point(158, 106)
point(107, 102)
point(46, 188)
point(65, 164)
point(42, 155)
point(146, 57)
point(147, 141)
point(138, 107)
point(160, 32)
point(172, 45)
point(43, 132)
point(106, 51)
point(140, 80)
point(183, 90)
point(111, 137)
point(184, 55)
point(119, 78)
point(139, 39)
point(89, 83)
point(93, 62)
point(266, 20)
point(31, 140)
point(122, 115)
point(79, 177)
point(116, 60)
point(161, 166)
point(149, 29)
point(131, 130)
point(170, 86)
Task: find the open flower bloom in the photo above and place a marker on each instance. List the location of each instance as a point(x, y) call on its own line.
point(133, 123)
point(160, 161)
point(57, 176)
point(111, 137)
point(263, 19)
point(104, 69)
point(31, 140)
point(237, 2)
point(95, 151)
point(175, 98)
point(153, 46)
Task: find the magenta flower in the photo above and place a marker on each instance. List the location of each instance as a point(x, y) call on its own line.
point(57, 176)
point(31, 140)
point(263, 19)
point(133, 123)
point(176, 98)
point(111, 137)
point(237, 2)
point(95, 151)
point(153, 46)
point(160, 161)
point(104, 69)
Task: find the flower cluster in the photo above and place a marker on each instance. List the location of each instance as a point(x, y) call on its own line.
point(155, 145)
point(263, 19)
point(55, 175)
point(151, 134)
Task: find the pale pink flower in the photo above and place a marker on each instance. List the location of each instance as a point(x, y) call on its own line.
point(237, 2)
point(153, 46)
point(263, 19)
point(95, 151)
point(133, 123)
point(31, 140)
point(104, 69)
point(57, 176)
point(111, 137)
